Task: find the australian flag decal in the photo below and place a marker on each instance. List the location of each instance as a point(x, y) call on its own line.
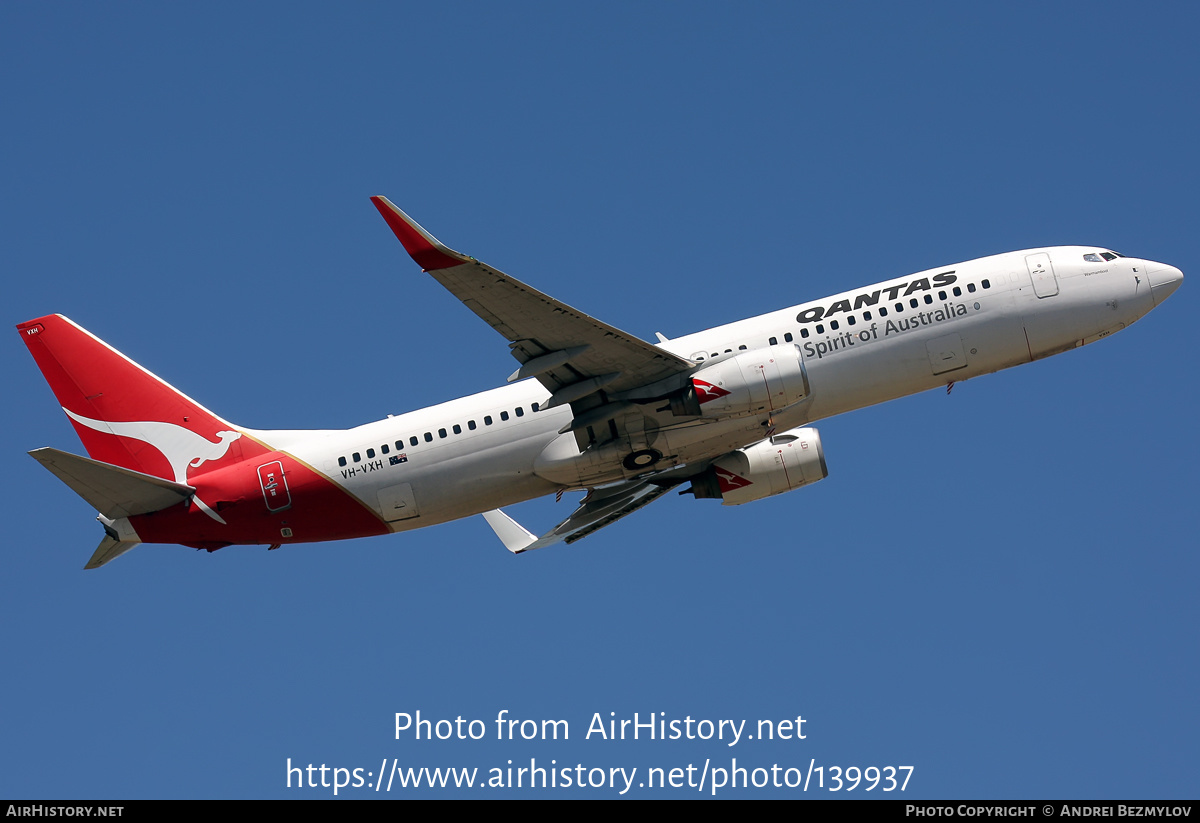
point(397, 459)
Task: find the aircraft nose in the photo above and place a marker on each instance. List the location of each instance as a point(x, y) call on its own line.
point(1164, 280)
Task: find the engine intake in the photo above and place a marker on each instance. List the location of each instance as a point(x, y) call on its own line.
point(779, 464)
point(761, 380)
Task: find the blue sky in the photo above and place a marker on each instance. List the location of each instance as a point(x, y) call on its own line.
point(996, 587)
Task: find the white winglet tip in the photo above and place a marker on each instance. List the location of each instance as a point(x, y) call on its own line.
point(515, 537)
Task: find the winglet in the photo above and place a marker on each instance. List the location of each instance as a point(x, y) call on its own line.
point(515, 537)
point(421, 246)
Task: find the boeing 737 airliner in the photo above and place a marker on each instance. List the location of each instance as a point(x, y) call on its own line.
point(727, 410)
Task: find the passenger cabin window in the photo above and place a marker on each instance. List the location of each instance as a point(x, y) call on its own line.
point(520, 412)
point(357, 457)
point(788, 337)
point(428, 437)
point(441, 432)
point(503, 415)
point(370, 453)
point(772, 342)
point(457, 429)
point(341, 461)
point(971, 288)
point(471, 425)
point(384, 449)
point(412, 441)
point(487, 420)
point(987, 284)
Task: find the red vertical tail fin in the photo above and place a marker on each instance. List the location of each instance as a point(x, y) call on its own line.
point(125, 415)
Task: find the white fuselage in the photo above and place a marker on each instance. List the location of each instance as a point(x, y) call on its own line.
point(859, 348)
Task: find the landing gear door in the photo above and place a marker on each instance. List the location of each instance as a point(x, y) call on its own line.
point(1041, 271)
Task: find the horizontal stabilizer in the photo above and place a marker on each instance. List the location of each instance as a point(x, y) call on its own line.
point(113, 491)
point(109, 549)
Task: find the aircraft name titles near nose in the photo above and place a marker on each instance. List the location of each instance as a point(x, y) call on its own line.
point(844, 340)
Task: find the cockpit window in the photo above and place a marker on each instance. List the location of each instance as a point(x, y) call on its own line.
point(1092, 258)
point(1107, 255)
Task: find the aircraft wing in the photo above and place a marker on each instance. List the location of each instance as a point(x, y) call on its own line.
point(599, 508)
point(573, 355)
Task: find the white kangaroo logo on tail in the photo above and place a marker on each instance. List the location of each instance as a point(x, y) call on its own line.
point(182, 447)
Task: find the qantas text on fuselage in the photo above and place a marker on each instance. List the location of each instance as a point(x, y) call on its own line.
point(728, 410)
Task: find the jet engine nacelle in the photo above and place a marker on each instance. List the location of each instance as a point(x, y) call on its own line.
point(779, 464)
point(761, 380)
